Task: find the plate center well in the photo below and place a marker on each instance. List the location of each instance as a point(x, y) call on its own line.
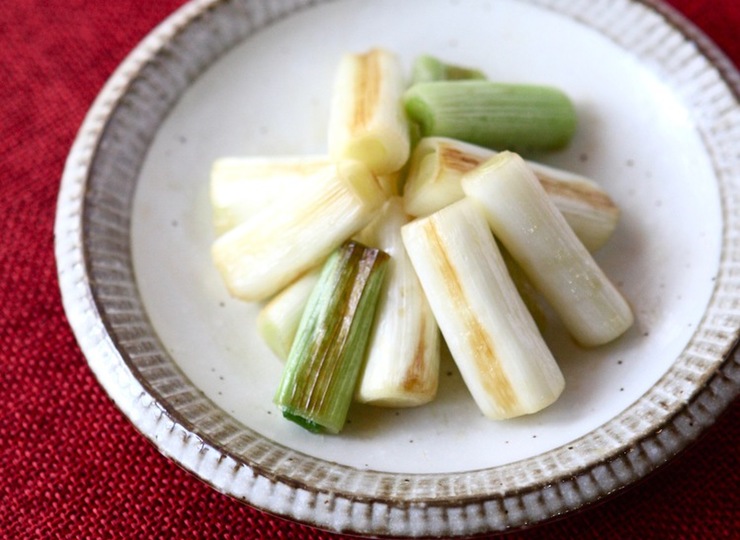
point(270, 96)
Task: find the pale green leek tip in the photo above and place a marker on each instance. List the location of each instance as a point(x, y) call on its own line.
point(429, 68)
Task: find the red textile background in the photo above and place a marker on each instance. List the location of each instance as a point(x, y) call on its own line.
point(71, 466)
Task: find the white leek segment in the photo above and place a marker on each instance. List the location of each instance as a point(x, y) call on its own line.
point(493, 339)
point(401, 367)
point(290, 236)
point(241, 186)
point(366, 117)
point(278, 320)
point(537, 236)
point(438, 163)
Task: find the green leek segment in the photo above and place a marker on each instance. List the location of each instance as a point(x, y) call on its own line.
point(324, 363)
point(499, 116)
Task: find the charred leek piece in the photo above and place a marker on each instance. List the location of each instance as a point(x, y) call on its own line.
point(401, 367)
point(321, 372)
point(242, 186)
point(493, 339)
point(366, 117)
point(287, 238)
point(495, 115)
point(438, 163)
point(428, 68)
point(537, 236)
point(278, 320)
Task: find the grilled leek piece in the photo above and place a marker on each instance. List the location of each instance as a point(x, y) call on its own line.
point(537, 236)
point(366, 117)
point(241, 186)
point(401, 367)
point(287, 238)
point(493, 339)
point(320, 375)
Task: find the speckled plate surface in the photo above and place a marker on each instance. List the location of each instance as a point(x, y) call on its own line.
point(659, 129)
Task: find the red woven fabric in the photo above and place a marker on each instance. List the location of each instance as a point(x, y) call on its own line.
point(71, 466)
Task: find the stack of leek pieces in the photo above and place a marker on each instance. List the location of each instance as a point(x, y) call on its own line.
point(365, 258)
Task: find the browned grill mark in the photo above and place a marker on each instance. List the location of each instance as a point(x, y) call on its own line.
point(458, 160)
point(595, 198)
point(492, 376)
point(414, 379)
point(367, 88)
point(326, 355)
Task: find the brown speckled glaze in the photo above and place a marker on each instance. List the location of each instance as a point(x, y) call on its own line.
point(105, 310)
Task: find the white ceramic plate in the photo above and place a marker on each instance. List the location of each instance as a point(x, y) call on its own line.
point(659, 129)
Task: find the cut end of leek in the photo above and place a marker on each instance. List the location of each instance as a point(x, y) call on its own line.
point(305, 423)
point(435, 168)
